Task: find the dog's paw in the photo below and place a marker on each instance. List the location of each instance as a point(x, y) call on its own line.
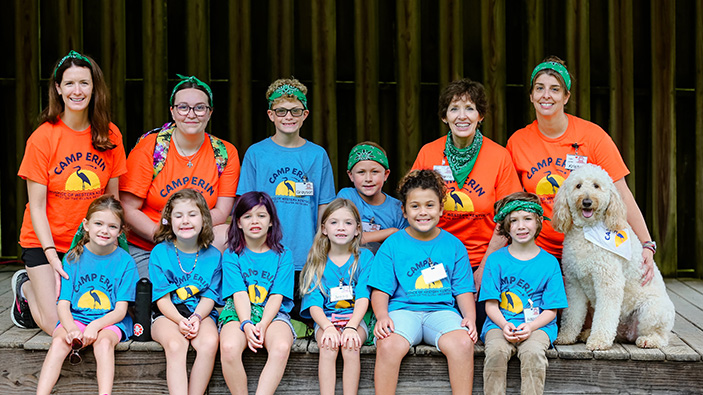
point(564, 339)
point(585, 335)
point(653, 341)
point(598, 343)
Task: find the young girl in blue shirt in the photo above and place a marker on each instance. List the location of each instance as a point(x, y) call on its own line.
point(335, 295)
point(186, 275)
point(423, 289)
point(258, 286)
point(93, 302)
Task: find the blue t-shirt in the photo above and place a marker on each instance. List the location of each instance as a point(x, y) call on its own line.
point(167, 277)
point(260, 275)
point(97, 282)
point(512, 282)
point(331, 278)
point(270, 168)
point(388, 214)
point(397, 271)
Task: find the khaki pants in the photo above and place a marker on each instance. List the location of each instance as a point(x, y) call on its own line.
point(533, 362)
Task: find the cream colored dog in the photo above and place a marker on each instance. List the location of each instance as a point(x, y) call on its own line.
point(612, 284)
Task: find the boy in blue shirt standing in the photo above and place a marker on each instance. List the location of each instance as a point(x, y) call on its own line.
point(523, 288)
point(295, 172)
point(381, 215)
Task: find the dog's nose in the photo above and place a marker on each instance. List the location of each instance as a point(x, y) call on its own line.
point(587, 202)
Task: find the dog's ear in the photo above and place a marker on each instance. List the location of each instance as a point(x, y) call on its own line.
point(561, 217)
point(616, 212)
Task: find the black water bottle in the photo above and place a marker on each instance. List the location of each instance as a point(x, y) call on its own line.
point(142, 311)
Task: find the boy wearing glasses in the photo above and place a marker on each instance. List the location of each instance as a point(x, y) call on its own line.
point(295, 172)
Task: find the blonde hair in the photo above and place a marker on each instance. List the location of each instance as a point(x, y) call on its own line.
point(317, 257)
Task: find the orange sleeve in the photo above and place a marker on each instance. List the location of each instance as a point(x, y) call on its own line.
point(230, 176)
point(35, 162)
point(140, 168)
point(119, 158)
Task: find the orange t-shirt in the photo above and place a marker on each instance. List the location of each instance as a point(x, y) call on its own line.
point(540, 164)
point(468, 212)
point(175, 176)
point(74, 173)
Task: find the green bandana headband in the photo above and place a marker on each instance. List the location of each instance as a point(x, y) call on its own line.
point(558, 67)
point(366, 152)
point(288, 90)
point(71, 55)
point(195, 81)
point(518, 205)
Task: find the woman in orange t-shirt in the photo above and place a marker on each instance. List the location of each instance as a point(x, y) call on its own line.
point(545, 152)
point(74, 156)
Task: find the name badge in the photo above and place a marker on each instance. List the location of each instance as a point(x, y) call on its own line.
point(343, 292)
point(434, 273)
point(304, 189)
point(531, 313)
point(445, 172)
point(369, 227)
point(573, 162)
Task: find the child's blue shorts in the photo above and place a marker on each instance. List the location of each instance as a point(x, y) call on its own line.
point(427, 326)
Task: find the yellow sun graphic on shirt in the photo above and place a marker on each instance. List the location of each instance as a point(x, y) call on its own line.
point(82, 180)
point(511, 302)
point(94, 299)
point(549, 184)
point(420, 283)
point(286, 188)
point(458, 201)
point(257, 294)
point(187, 291)
point(344, 304)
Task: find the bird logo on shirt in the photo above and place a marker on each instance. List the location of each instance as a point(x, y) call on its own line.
point(82, 180)
point(257, 294)
point(549, 184)
point(286, 188)
point(420, 283)
point(187, 291)
point(510, 302)
point(94, 299)
point(458, 201)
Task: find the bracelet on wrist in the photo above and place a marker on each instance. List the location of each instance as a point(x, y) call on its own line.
point(241, 326)
point(650, 245)
point(50, 248)
point(352, 328)
point(200, 318)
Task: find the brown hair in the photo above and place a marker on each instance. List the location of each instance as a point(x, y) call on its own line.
point(98, 108)
point(463, 88)
point(504, 228)
point(165, 231)
point(285, 81)
point(424, 179)
point(105, 202)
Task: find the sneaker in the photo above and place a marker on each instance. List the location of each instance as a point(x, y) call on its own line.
point(20, 314)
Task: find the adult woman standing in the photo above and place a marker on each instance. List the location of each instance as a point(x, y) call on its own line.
point(545, 152)
point(75, 156)
point(178, 155)
point(477, 171)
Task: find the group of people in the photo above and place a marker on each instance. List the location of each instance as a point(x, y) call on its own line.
point(293, 249)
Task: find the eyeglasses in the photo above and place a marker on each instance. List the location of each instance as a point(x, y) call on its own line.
point(199, 109)
point(281, 112)
point(74, 357)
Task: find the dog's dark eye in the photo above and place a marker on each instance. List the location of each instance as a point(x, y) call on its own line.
point(578, 186)
point(596, 186)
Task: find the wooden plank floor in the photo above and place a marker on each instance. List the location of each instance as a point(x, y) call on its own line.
point(140, 367)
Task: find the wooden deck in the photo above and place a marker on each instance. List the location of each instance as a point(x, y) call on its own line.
point(140, 367)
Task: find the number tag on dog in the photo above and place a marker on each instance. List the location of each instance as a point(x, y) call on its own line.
point(304, 189)
point(434, 273)
point(573, 162)
point(343, 292)
point(370, 227)
point(445, 172)
point(531, 313)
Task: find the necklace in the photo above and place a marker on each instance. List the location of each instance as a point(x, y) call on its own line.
point(190, 161)
point(179, 260)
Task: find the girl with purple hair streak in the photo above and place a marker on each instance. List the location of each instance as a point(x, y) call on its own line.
point(258, 286)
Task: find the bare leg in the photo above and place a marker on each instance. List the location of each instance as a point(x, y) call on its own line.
point(327, 367)
point(205, 345)
point(232, 345)
point(352, 368)
point(458, 347)
point(389, 353)
point(51, 369)
point(175, 346)
point(278, 341)
point(104, 350)
point(40, 292)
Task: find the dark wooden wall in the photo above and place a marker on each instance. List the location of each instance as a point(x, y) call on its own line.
point(374, 70)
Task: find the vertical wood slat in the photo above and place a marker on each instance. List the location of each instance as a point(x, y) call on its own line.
point(366, 70)
point(451, 42)
point(324, 86)
point(622, 84)
point(663, 39)
point(535, 48)
point(114, 58)
point(494, 68)
point(70, 26)
point(27, 88)
point(579, 55)
point(154, 65)
point(281, 45)
point(198, 39)
point(698, 239)
point(240, 107)
point(408, 90)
